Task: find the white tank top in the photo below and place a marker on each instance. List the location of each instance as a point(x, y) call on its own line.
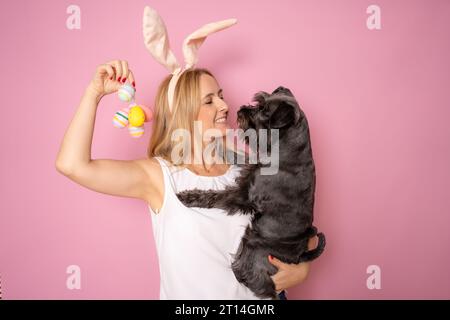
point(194, 245)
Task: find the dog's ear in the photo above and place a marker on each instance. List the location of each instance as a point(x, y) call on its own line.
point(283, 90)
point(261, 97)
point(283, 116)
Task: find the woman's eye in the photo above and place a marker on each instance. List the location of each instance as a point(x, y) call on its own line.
point(209, 102)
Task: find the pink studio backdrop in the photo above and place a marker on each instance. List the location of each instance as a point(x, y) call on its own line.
point(377, 103)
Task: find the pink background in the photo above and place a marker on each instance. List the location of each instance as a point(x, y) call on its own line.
point(377, 103)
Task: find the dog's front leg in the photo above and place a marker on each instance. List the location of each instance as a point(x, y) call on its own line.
point(232, 200)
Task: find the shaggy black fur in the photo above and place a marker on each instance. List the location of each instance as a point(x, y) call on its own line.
point(281, 205)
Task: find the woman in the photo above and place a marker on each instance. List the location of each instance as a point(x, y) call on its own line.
point(194, 245)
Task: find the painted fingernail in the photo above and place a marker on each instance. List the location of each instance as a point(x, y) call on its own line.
point(124, 79)
point(134, 85)
point(270, 257)
point(110, 78)
point(119, 79)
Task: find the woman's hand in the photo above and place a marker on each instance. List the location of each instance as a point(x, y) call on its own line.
point(110, 76)
point(289, 275)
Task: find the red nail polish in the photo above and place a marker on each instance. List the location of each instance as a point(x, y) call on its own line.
point(124, 79)
point(110, 78)
point(270, 257)
point(119, 79)
point(134, 85)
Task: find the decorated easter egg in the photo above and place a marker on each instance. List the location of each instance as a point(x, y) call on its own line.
point(120, 119)
point(148, 113)
point(136, 117)
point(126, 92)
point(136, 132)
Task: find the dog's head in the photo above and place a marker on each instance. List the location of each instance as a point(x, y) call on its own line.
point(278, 110)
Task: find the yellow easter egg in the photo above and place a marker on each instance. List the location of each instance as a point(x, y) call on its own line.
point(136, 116)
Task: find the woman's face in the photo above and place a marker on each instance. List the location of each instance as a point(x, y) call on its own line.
point(213, 109)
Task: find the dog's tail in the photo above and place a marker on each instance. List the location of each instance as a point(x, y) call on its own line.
point(315, 253)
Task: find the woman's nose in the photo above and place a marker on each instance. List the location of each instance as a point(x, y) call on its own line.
point(222, 106)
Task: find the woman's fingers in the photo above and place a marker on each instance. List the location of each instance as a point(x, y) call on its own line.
point(124, 65)
point(114, 65)
point(118, 66)
point(109, 70)
point(121, 71)
point(113, 77)
point(277, 263)
point(105, 69)
point(131, 78)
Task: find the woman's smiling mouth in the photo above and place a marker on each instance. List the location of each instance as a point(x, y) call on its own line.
point(221, 119)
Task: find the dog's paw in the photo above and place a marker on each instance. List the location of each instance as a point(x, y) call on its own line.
point(184, 197)
point(191, 198)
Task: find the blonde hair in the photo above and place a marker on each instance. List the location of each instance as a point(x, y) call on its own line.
point(186, 106)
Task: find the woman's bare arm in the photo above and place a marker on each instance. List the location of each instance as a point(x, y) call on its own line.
point(75, 149)
point(128, 178)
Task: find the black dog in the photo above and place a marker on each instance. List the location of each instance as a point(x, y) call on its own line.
point(281, 204)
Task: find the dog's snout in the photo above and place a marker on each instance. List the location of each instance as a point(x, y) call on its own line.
point(244, 109)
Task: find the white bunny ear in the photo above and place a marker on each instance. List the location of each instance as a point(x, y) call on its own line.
point(156, 40)
point(196, 39)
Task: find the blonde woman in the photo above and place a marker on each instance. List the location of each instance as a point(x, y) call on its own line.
point(194, 245)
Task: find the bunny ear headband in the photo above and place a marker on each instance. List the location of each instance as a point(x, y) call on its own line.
point(156, 41)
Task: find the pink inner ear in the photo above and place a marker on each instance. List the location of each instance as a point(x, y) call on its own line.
point(148, 113)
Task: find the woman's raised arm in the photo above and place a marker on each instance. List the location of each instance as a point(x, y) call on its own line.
point(140, 178)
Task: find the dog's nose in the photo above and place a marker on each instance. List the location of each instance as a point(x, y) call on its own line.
point(245, 108)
